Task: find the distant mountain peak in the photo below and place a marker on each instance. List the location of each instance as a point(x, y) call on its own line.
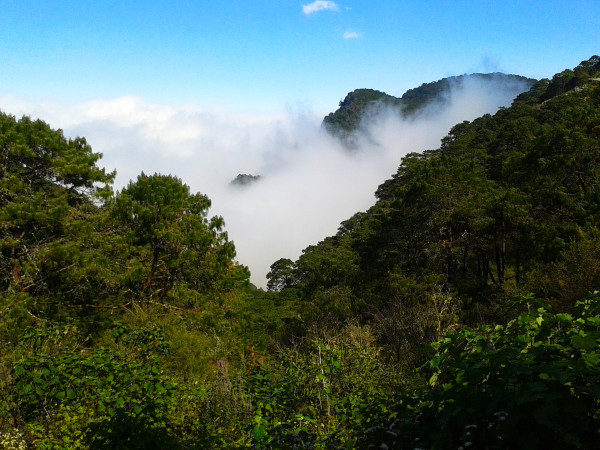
point(346, 119)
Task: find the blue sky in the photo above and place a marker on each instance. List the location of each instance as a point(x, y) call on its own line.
point(264, 55)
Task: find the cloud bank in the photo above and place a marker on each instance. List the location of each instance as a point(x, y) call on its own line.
point(310, 182)
point(319, 5)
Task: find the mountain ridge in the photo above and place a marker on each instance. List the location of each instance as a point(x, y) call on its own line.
point(346, 119)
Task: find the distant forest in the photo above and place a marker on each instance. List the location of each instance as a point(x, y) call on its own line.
point(460, 311)
point(360, 102)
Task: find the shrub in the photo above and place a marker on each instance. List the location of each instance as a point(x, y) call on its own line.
point(533, 383)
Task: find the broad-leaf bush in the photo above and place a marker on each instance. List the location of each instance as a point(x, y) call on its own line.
point(93, 397)
point(534, 383)
point(333, 389)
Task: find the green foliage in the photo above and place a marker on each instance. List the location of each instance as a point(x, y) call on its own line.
point(568, 279)
point(333, 389)
point(359, 104)
point(49, 186)
point(325, 265)
point(244, 179)
point(353, 108)
point(417, 98)
point(93, 397)
point(186, 252)
point(498, 204)
point(125, 321)
point(281, 275)
point(71, 247)
point(530, 384)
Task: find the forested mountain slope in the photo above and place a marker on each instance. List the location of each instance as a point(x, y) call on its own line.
point(68, 241)
point(508, 204)
point(346, 119)
point(458, 311)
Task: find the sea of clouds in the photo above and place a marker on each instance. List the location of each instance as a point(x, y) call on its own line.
point(310, 181)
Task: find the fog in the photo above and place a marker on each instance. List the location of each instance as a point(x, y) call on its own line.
point(310, 182)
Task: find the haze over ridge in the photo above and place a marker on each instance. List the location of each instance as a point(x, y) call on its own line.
point(310, 182)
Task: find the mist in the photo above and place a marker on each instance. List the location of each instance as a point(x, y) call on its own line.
point(309, 181)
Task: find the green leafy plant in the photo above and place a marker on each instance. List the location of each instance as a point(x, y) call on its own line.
point(94, 396)
point(533, 383)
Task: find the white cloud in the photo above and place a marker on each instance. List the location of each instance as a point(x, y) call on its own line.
point(309, 182)
point(351, 35)
point(319, 5)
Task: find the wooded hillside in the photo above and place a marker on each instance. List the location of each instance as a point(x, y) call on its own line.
point(360, 102)
point(461, 310)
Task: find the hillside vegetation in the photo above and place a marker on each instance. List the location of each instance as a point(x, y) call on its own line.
point(461, 310)
point(360, 103)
